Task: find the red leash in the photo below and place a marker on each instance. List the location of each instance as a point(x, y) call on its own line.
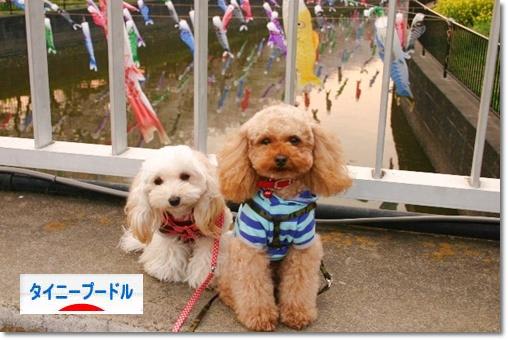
point(184, 314)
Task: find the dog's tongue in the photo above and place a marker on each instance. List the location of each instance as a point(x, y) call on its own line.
point(182, 218)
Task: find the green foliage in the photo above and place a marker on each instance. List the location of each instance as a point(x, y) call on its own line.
point(475, 14)
point(4, 6)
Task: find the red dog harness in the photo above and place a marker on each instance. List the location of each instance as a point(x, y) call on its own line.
point(184, 228)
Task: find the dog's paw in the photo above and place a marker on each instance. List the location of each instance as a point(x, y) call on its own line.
point(196, 274)
point(297, 316)
point(199, 264)
point(129, 244)
point(167, 272)
point(165, 259)
point(261, 319)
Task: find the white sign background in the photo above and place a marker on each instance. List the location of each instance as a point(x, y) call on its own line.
point(41, 305)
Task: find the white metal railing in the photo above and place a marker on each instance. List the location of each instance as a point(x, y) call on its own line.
point(488, 82)
point(116, 78)
point(201, 74)
point(383, 106)
point(429, 189)
point(38, 71)
point(289, 90)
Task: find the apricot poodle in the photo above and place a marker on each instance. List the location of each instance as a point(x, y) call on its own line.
point(275, 165)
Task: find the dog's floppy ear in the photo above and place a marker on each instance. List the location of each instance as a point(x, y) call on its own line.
point(236, 175)
point(211, 204)
point(141, 219)
point(328, 175)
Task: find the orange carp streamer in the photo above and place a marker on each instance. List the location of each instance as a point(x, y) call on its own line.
point(146, 119)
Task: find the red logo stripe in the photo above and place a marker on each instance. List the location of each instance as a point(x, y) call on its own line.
point(81, 307)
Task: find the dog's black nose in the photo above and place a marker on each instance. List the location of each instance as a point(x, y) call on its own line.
point(174, 200)
point(280, 160)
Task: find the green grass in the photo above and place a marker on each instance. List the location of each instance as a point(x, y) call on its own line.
point(475, 14)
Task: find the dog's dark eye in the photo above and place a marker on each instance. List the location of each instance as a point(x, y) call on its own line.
point(265, 141)
point(184, 176)
point(294, 140)
point(158, 181)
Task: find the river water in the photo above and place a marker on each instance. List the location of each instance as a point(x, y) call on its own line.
point(347, 103)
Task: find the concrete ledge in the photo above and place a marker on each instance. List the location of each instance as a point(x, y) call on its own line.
point(383, 281)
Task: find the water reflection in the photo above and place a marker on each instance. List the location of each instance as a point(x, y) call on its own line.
point(347, 103)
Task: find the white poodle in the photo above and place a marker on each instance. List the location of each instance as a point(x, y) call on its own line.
point(173, 209)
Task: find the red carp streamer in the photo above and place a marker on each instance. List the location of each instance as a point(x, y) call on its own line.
point(247, 11)
point(146, 119)
point(99, 14)
point(244, 104)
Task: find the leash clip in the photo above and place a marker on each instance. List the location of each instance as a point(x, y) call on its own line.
point(329, 282)
point(328, 278)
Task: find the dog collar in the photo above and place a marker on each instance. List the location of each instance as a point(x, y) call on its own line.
point(184, 228)
point(268, 185)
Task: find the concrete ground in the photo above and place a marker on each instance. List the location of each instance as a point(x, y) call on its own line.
point(384, 281)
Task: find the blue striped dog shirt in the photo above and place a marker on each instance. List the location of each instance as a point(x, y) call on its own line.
point(258, 231)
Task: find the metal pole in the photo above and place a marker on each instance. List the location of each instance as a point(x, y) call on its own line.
point(383, 107)
point(116, 37)
point(38, 72)
point(483, 112)
point(290, 87)
point(201, 75)
point(449, 33)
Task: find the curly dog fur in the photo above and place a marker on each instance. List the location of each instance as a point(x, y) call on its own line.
point(261, 292)
point(186, 174)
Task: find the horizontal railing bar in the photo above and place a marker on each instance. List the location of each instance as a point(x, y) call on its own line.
point(70, 156)
point(452, 21)
point(427, 189)
point(419, 188)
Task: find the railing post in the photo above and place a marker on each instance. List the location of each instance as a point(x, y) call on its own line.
point(38, 72)
point(449, 33)
point(483, 111)
point(290, 86)
point(383, 107)
point(117, 77)
point(201, 75)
